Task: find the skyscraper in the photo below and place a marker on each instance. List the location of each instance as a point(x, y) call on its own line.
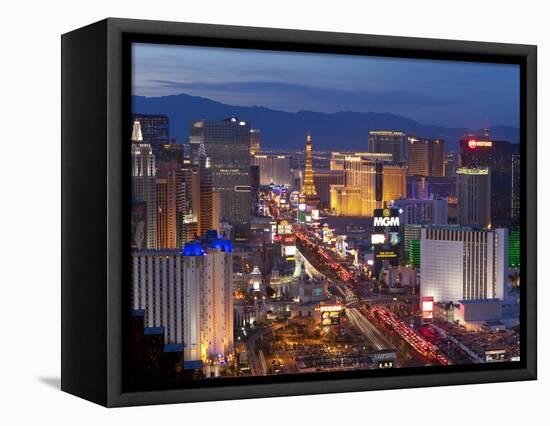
point(516, 186)
point(426, 157)
point(254, 141)
point(255, 188)
point(460, 263)
point(452, 162)
point(474, 196)
point(308, 186)
point(216, 210)
point(337, 159)
point(205, 184)
point(395, 143)
point(227, 142)
point(188, 199)
point(144, 184)
point(514, 248)
point(497, 156)
point(323, 181)
point(189, 294)
point(276, 169)
point(368, 183)
point(166, 211)
point(394, 181)
point(155, 130)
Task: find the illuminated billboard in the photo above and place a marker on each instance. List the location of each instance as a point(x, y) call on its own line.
point(495, 355)
point(378, 239)
point(427, 307)
point(394, 238)
point(384, 358)
point(289, 251)
point(315, 214)
point(330, 315)
point(386, 218)
point(386, 364)
point(386, 223)
point(386, 254)
point(473, 143)
point(284, 228)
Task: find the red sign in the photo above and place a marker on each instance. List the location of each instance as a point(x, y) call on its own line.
point(427, 307)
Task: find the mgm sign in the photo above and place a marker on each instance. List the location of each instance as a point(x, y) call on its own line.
point(386, 218)
point(386, 223)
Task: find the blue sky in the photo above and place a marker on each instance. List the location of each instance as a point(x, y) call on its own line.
point(446, 93)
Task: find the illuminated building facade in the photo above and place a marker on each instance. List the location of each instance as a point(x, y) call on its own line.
point(426, 157)
point(395, 143)
point(497, 155)
point(367, 184)
point(516, 186)
point(274, 169)
point(411, 241)
point(155, 129)
point(254, 141)
point(413, 253)
point(205, 188)
point(394, 182)
point(514, 244)
point(452, 163)
point(188, 201)
point(189, 294)
point(432, 211)
point(227, 142)
point(166, 211)
point(216, 211)
point(144, 183)
point(460, 263)
point(474, 196)
point(324, 180)
point(337, 159)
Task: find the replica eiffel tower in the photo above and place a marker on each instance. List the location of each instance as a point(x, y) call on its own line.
point(308, 186)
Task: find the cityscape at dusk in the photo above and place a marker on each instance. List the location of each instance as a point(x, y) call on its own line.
point(301, 213)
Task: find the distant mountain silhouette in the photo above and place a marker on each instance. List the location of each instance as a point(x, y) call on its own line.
point(286, 131)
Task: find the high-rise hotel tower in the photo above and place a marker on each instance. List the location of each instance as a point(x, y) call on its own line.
point(387, 141)
point(189, 294)
point(144, 187)
point(474, 196)
point(227, 143)
point(426, 157)
point(462, 263)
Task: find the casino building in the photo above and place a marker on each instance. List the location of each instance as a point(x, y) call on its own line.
point(462, 263)
point(189, 294)
point(498, 157)
point(368, 183)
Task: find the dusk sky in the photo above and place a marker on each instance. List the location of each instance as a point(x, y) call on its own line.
point(446, 93)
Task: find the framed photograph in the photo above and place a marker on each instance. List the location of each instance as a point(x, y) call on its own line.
point(254, 212)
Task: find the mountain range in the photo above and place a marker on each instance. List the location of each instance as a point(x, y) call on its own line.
point(282, 130)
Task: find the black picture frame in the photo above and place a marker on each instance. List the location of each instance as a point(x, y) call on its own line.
point(95, 182)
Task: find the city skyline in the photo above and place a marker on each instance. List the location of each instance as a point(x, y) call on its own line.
point(444, 93)
point(402, 253)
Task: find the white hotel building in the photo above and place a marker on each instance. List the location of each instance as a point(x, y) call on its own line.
point(459, 263)
point(190, 296)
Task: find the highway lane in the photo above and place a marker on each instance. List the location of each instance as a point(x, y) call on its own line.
point(369, 331)
point(257, 363)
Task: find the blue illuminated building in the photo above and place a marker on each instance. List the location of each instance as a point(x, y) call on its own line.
point(210, 241)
